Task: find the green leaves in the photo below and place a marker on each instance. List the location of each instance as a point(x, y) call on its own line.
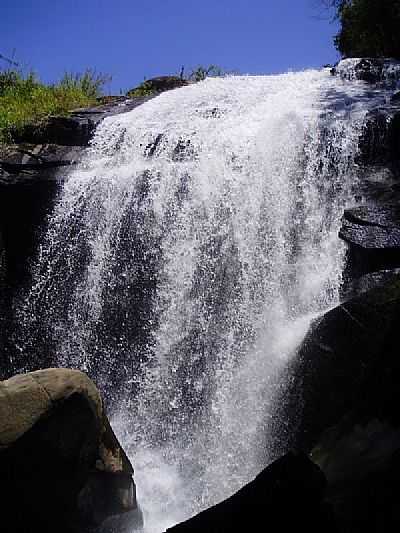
point(369, 28)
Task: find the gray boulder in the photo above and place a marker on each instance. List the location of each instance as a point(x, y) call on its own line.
point(61, 466)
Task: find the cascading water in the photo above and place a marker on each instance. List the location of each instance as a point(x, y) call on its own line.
point(183, 263)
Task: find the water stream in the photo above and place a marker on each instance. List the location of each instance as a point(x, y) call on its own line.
point(183, 263)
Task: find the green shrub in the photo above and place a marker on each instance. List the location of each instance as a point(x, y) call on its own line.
point(201, 72)
point(89, 83)
point(369, 28)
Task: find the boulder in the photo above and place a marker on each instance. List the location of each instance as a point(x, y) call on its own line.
point(157, 85)
point(61, 466)
point(287, 496)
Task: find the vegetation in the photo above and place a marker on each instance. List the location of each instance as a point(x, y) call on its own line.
point(201, 72)
point(144, 89)
point(369, 28)
point(24, 99)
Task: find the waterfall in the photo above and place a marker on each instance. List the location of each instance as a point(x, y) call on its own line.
point(183, 263)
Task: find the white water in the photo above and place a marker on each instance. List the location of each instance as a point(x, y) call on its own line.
point(184, 279)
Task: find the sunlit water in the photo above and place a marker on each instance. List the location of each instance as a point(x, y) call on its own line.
point(182, 266)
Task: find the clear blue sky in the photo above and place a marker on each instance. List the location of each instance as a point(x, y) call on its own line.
point(133, 39)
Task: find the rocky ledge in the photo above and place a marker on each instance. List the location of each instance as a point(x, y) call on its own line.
point(377, 70)
point(61, 466)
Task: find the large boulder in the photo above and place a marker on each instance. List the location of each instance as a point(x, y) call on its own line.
point(157, 85)
point(61, 466)
point(286, 496)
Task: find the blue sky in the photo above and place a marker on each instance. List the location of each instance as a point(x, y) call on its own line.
point(132, 39)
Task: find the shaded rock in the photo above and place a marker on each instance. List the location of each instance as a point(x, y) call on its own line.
point(36, 162)
point(157, 85)
point(361, 458)
point(59, 459)
point(25, 202)
point(396, 97)
point(288, 494)
point(373, 235)
point(355, 287)
point(380, 138)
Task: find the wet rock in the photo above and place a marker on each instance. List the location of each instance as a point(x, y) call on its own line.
point(26, 162)
point(372, 280)
point(287, 495)
point(61, 466)
point(385, 71)
point(380, 138)
point(373, 235)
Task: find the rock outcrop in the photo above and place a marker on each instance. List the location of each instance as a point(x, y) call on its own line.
point(372, 230)
point(378, 70)
point(61, 466)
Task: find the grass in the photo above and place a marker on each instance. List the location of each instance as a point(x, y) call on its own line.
point(144, 89)
point(24, 99)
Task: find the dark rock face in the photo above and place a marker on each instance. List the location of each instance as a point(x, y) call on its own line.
point(373, 234)
point(361, 460)
point(288, 494)
point(61, 466)
point(372, 280)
